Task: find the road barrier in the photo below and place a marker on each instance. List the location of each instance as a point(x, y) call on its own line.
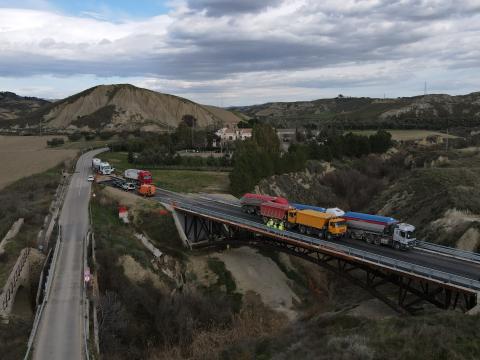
point(453, 252)
point(48, 286)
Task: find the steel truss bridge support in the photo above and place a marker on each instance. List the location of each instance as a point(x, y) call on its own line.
point(411, 290)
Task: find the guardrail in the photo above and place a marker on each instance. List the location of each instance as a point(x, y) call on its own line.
point(48, 286)
point(85, 302)
point(457, 253)
point(399, 265)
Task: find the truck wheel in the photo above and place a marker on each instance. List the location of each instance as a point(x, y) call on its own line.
point(396, 245)
point(302, 229)
point(376, 241)
point(329, 237)
point(368, 239)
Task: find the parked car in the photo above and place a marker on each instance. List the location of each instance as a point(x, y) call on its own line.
point(91, 178)
point(128, 186)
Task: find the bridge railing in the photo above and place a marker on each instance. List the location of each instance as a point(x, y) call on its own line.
point(384, 261)
point(458, 253)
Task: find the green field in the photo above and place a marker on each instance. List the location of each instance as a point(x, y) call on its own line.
point(404, 135)
point(176, 180)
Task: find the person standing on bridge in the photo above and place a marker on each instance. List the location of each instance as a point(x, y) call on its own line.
point(281, 226)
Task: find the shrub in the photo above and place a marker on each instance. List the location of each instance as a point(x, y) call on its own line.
point(55, 142)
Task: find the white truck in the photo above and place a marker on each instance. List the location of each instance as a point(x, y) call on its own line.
point(380, 230)
point(96, 164)
point(105, 168)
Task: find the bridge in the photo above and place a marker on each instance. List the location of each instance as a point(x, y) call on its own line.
point(445, 277)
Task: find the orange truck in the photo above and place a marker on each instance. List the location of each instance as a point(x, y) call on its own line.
point(147, 190)
point(309, 222)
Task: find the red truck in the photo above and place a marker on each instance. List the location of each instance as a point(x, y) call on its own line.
point(274, 210)
point(139, 176)
point(251, 203)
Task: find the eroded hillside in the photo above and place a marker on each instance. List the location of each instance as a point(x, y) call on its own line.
point(124, 107)
point(14, 107)
point(435, 190)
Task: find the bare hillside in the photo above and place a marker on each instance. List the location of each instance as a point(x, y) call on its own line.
point(13, 106)
point(126, 107)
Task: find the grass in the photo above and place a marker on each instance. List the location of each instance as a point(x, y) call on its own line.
point(160, 228)
point(405, 135)
point(442, 336)
point(87, 144)
point(113, 235)
point(29, 198)
point(13, 339)
point(176, 180)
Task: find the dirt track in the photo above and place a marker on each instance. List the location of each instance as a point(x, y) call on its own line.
point(22, 156)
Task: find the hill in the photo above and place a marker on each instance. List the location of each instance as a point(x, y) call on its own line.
point(426, 112)
point(123, 107)
point(13, 106)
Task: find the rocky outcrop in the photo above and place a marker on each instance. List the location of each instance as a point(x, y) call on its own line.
point(301, 186)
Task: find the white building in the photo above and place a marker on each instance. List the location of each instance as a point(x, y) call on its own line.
point(230, 135)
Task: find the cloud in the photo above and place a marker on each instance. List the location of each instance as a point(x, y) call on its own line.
point(229, 7)
point(252, 50)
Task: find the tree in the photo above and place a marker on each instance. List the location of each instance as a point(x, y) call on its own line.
point(266, 138)
point(380, 142)
point(251, 164)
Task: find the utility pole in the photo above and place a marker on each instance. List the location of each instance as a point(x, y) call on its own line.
point(446, 142)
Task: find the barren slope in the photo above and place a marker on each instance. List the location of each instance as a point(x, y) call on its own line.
point(125, 107)
point(13, 106)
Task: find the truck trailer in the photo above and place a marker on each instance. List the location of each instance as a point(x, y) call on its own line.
point(96, 164)
point(139, 176)
point(251, 203)
point(380, 230)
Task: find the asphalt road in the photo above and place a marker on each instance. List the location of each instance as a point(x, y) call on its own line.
point(60, 332)
point(415, 256)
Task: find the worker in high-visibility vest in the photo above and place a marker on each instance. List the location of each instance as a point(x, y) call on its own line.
point(274, 224)
point(269, 222)
point(281, 226)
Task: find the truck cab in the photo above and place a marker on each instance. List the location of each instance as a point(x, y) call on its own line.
point(404, 236)
point(337, 227)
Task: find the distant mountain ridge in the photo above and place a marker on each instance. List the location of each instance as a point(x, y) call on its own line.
point(430, 111)
point(13, 106)
point(122, 107)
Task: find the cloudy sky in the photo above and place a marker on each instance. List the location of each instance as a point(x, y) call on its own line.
point(227, 52)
